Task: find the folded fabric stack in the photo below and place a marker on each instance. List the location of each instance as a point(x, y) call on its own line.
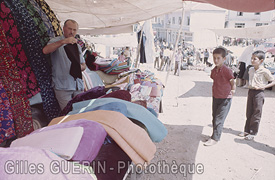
point(55, 146)
point(112, 67)
point(108, 66)
point(143, 86)
point(25, 163)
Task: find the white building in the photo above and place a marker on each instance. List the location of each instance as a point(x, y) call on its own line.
point(198, 18)
point(166, 26)
point(204, 17)
point(236, 19)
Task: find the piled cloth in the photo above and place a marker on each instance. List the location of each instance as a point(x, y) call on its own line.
point(131, 138)
point(47, 165)
point(143, 86)
point(86, 138)
point(108, 66)
point(155, 128)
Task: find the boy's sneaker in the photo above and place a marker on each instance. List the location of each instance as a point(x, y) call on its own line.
point(210, 142)
point(249, 137)
point(243, 134)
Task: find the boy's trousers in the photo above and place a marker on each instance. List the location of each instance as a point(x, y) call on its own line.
point(220, 109)
point(255, 102)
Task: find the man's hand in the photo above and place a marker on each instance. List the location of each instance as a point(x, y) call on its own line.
point(54, 46)
point(233, 91)
point(69, 40)
point(260, 88)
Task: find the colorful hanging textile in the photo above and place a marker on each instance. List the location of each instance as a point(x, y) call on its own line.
point(10, 77)
point(28, 78)
point(40, 26)
point(32, 46)
point(55, 22)
point(45, 18)
point(7, 130)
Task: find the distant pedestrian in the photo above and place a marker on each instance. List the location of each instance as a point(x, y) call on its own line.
point(206, 56)
point(229, 59)
point(127, 54)
point(122, 57)
point(166, 58)
point(178, 59)
point(222, 91)
point(259, 78)
point(198, 56)
point(157, 57)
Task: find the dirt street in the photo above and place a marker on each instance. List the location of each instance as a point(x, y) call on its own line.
point(187, 112)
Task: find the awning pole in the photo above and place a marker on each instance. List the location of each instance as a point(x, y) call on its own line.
point(176, 45)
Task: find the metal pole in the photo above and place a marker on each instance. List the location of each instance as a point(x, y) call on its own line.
point(176, 45)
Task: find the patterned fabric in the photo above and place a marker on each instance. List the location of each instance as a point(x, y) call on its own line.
point(45, 18)
point(32, 46)
point(28, 78)
point(10, 77)
point(55, 22)
point(42, 31)
point(7, 130)
point(114, 67)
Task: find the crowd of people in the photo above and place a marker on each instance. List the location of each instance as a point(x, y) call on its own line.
point(185, 56)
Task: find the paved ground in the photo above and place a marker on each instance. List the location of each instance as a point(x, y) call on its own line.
point(187, 115)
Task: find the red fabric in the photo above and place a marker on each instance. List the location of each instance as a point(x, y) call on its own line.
point(242, 5)
point(119, 94)
point(10, 77)
point(90, 60)
point(221, 86)
point(28, 78)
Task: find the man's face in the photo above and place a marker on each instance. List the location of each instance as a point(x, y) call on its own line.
point(70, 29)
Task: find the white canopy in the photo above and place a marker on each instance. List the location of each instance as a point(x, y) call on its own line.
point(260, 32)
point(108, 13)
point(91, 14)
point(106, 31)
point(121, 40)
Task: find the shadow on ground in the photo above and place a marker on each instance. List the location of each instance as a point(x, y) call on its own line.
point(254, 144)
point(204, 89)
point(257, 145)
point(180, 148)
point(196, 91)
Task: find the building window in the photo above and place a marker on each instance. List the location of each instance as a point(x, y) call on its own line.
point(179, 20)
point(169, 21)
point(239, 13)
point(173, 20)
point(239, 25)
point(257, 13)
point(226, 24)
point(188, 21)
point(259, 24)
point(158, 20)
